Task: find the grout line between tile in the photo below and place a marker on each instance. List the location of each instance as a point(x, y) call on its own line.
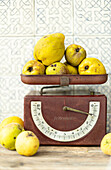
point(34, 16)
point(34, 19)
point(95, 35)
point(38, 35)
point(14, 36)
point(73, 4)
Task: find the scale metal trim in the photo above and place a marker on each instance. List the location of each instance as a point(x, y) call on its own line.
point(64, 79)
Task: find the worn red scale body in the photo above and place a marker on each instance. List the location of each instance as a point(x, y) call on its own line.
point(68, 118)
point(60, 120)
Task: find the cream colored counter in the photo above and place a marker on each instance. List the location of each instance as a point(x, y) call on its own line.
point(56, 158)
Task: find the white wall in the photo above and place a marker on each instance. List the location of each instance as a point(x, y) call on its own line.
point(23, 22)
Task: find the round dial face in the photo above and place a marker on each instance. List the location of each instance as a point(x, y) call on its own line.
point(65, 136)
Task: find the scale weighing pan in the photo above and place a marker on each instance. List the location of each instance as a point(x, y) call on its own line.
point(63, 79)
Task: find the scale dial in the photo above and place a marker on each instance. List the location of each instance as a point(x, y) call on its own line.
point(65, 136)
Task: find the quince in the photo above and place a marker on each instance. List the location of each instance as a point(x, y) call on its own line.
point(33, 67)
point(50, 48)
point(12, 119)
point(106, 144)
point(91, 66)
point(56, 68)
point(8, 135)
point(71, 69)
point(75, 54)
point(29, 140)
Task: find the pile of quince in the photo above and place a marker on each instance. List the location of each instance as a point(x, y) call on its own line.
point(14, 137)
point(48, 53)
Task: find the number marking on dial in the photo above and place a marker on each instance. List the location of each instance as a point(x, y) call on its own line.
point(65, 136)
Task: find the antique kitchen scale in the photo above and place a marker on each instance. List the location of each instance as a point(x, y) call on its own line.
point(64, 117)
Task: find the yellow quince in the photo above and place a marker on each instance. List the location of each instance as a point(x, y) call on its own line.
point(91, 66)
point(27, 143)
point(50, 48)
point(75, 54)
point(71, 69)
point(106, 144)
point(8, 135)
point(33, 67)
point(56, 68)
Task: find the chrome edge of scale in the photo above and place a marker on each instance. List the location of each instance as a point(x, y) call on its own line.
point(65, 136)
point(63, 91)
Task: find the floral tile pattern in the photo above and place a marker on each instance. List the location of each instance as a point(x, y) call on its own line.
point(24, 22)
point(54, 16)
point(109, 123)
point(12, 92)
point(15, 52)
point(92, 17)
point(16, 17)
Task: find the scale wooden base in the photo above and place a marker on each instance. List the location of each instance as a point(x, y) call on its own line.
point(70, 119)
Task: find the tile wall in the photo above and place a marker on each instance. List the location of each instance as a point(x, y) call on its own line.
point(23, 22)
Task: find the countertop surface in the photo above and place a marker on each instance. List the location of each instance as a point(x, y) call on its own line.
point(56, 157)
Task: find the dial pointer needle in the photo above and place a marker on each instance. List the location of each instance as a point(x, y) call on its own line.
point(66, 108)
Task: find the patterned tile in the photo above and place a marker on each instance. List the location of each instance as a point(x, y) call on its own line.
point(98, 47)
point(92, 17)
point(68, 41)
point(12, 92)
point(53, 16)
point(16, 17)
point(23, 22)
point(108, 123)
point(14, 53)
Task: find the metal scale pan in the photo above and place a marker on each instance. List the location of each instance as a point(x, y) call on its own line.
point(63, 79)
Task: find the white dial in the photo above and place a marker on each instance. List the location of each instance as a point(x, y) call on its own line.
point(65, 136)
